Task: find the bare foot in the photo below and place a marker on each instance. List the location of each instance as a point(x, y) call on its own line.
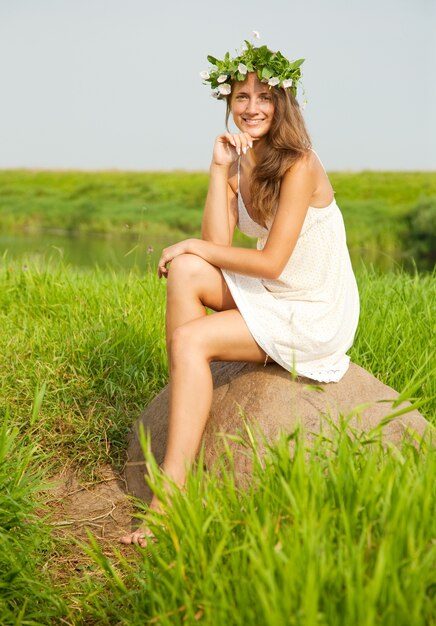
point(139, 537)
point(143, 535)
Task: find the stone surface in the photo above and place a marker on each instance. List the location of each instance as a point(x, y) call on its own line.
point(277, 403)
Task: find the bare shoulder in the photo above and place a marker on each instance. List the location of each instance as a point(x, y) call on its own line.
point(307, 163)
point(308, 174)
point(304, 171)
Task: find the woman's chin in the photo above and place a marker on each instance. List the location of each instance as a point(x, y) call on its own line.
point(256, 133)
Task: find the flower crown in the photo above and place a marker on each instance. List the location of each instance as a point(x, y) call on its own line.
point(271, 67)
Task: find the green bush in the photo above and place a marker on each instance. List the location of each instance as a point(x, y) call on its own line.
point(421, 234)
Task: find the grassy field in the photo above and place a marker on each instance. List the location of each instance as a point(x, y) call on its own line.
point(92, 345)
point(343, 537)
point(386, 213)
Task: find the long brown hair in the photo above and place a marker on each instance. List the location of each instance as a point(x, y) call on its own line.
point(286, 142)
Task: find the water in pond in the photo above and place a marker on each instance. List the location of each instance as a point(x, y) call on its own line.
point(121, 253)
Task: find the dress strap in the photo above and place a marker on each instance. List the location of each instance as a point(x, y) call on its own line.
point(239, 167)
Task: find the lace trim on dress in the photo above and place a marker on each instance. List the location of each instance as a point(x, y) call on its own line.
point(329, 376)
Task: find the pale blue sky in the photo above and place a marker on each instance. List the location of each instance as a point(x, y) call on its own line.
point(95, 84)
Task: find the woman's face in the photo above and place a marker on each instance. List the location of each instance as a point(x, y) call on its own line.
point(252, 106)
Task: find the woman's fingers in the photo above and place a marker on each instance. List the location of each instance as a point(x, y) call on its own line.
point(248, 140)
point(240, 141)
point(229, 146)
point(168, 254)
point(162, 270)
point(230, 139)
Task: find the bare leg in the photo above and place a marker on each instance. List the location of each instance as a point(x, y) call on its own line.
point(193, 284)
point(220, 337)
point(194, 340)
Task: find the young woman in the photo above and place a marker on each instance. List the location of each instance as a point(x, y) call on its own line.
point(294, 299)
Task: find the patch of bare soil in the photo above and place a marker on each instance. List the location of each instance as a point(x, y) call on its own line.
point(101, 507)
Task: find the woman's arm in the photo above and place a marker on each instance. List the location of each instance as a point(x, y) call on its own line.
point(220, 210)
point(297, 188)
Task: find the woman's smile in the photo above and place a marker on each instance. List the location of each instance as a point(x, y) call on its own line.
point(252, 121)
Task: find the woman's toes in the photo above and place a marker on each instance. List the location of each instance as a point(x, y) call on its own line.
point(140, 537)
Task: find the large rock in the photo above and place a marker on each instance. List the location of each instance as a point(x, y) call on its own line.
point(276, 402)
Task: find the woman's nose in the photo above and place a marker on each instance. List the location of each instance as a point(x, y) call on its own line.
point(252, 106)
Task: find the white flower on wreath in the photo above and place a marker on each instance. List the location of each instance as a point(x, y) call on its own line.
point(224, 90)
point(273, 81)
point(204, 75)
point(242, 69)
point(287, 83)
point(222, 78)
point(256, 34)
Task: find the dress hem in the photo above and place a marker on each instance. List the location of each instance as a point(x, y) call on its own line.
point(329, 375)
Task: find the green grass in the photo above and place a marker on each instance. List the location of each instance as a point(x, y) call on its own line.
point(26, 592)
point(336, 536)
point(396, 335)
point(93, 343)
point(375, 205)
point(344, 536)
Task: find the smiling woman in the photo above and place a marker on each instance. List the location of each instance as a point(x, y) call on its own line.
point(294, 299)
point(259, 110)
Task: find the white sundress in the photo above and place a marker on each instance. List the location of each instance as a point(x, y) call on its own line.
point(306, 319)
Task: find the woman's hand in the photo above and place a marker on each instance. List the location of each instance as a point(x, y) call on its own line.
point(228, 147)
point(168, 254)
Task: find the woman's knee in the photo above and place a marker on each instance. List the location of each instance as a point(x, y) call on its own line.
point(186, 267)
point(185, 343)
point(190, 275)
